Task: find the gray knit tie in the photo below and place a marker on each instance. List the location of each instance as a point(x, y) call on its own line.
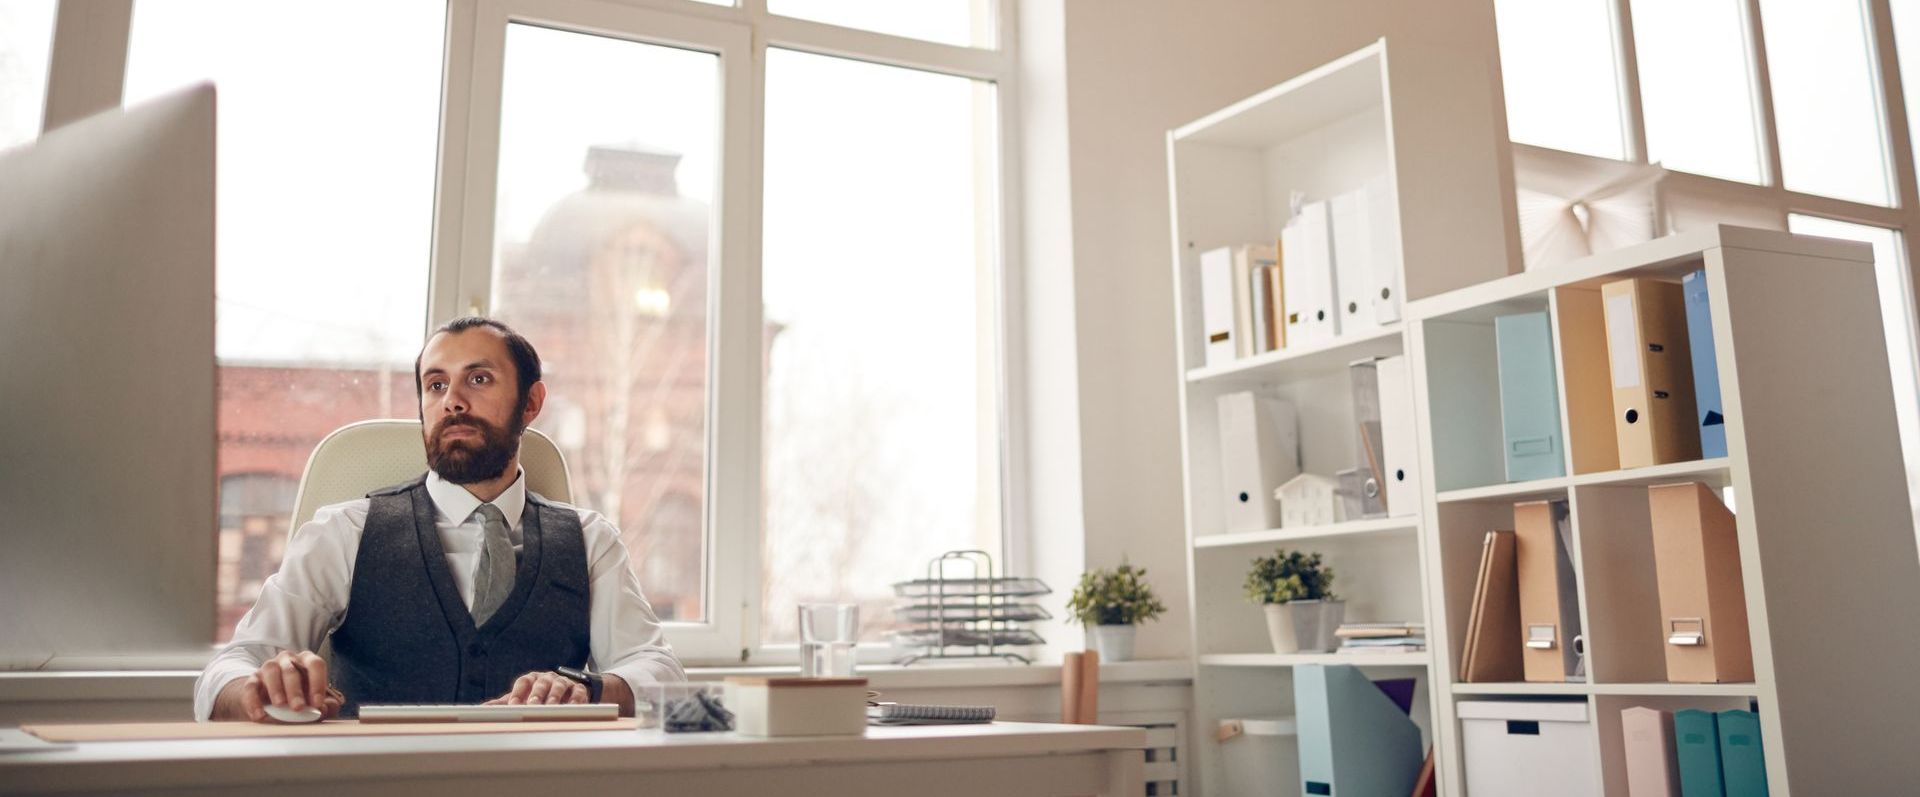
point(493, 576)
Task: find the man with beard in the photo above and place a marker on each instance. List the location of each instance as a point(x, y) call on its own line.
point(460, 586)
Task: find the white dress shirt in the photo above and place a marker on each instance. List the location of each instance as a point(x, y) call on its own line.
point(307, 598)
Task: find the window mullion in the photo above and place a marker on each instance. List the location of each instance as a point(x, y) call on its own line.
point(1633, 120)
point(1763, 97)
point(1893, 106)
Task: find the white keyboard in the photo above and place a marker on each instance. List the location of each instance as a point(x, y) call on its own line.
point(563, 712)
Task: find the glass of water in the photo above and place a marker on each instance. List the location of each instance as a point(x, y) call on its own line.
point(828, 634)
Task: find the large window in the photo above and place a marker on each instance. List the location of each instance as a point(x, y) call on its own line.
point(1801, 134)
point(756, 243)
point(324, 228)
point(882, 398)
point(26, 40)
point(608, 150)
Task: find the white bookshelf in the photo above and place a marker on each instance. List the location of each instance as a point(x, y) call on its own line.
point(1813, 474)
point(1232, 173)
point(1810, 419)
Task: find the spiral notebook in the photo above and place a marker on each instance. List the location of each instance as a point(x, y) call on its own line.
point(909, 714)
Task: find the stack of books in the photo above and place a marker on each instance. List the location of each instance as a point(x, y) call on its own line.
point(1405, 637)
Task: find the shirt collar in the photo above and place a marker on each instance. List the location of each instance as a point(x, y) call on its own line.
point(456, 504)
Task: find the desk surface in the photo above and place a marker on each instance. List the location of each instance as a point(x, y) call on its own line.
point(119, 766)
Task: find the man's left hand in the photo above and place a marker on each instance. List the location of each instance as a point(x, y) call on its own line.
point(536, 688)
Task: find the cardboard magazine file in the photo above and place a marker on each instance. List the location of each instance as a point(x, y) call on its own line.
point(1549, 599)
point(1582, 338)
point(1492, 651)
point(1652, 372)
point(1703, 601)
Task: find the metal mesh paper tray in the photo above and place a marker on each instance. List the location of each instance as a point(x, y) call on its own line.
point(968, 587)
point(970, 636)
point(966, 612)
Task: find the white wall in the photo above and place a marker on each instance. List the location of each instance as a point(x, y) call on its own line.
point(1129, 70)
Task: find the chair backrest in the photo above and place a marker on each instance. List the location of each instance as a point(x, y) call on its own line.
point(362, 457)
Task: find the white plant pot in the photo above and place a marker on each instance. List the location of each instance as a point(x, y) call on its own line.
point(1305, 626)
point(1113, 642)
point(1280, 628)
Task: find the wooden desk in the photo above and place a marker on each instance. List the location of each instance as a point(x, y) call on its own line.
point(929, 761)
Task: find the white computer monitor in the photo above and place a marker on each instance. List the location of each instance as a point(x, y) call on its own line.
point(107, 485)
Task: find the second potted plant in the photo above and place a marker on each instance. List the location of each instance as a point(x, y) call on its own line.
point(1110, 604)
point(1296, 590)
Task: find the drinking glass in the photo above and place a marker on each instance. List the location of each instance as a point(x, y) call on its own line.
point(828, 634)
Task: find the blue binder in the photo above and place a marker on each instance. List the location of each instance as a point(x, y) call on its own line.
point(1743, 767)
point(1529, 398)
point(1354, 739)
point(1706, 373)
point(1696, 743)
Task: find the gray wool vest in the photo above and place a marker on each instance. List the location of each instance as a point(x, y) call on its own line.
point(409, 639)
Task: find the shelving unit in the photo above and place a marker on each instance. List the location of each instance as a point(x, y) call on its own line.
point(1813, 473)
point(1233, 173)
point(1809, 407)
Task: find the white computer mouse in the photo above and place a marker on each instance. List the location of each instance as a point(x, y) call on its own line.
point(285, 714)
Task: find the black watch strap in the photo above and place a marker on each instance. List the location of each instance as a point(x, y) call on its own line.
point(593, 680)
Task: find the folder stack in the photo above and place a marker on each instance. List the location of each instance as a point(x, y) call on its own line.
point(1354, 739)
point(1549, 602)
point(1492, 650)
point(1582, 336)
point(1694, 753)
point(1647, 740)
point(1366, 256)
point(1259, 452)
point(1529, 397)
point(1706, 370)
point(1703, 601)
point(1307, 279)
point(1652, 372)
point(1238, 302)
point(1399, 465)
point(1369, 452)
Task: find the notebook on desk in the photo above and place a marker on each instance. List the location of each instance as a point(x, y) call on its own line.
point(909, 714)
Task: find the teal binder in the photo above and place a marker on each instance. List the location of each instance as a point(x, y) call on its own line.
point(1706, 371)
point(1354, 740)
point(1743, 767)
point(1529, 398)
point(1696, 743)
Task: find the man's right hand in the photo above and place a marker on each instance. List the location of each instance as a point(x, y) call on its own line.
point(290, 679)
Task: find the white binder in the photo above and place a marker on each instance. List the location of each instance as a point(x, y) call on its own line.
point(1307, 277)
point(1216, 305)
point(1366, 256)
point(1383, 220)
point(1259, 451)
point(1397, 436)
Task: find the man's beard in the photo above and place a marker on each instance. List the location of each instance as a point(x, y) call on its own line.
point(471, 461)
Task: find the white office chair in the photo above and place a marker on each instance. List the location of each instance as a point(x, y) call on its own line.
point(362, 457)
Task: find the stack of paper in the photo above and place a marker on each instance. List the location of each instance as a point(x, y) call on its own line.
point(1408, 637)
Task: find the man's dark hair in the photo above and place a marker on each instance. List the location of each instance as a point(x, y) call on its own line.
point(526, 361)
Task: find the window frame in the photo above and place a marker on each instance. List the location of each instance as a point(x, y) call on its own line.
point(1771, 196)
point(86, 73)
point(461, 277)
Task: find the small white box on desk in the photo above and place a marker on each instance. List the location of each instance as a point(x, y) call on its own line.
point(1524, 749)
point(798, 706)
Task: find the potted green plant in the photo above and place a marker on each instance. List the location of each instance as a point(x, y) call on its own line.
point(1110, 603)
point(1296, 589)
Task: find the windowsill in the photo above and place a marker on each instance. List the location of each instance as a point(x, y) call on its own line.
point(90, 685)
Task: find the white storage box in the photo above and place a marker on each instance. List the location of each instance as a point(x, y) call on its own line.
point(1260, 757)
point(1528, 749)
point(798, 706)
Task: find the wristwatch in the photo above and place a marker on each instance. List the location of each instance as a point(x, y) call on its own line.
point(593, 681)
